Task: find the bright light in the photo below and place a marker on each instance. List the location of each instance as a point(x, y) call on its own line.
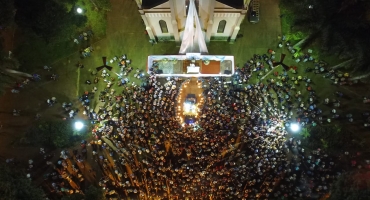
point(294, 127)
point(187, 107)
point(79, 125)
point(79, 10)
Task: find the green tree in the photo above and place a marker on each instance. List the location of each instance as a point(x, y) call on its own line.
point(14, 185)
point(333, 139)
point(94, 193)
point(50, 20)
point(336, 26)
point(7, 13)
point(102, 4)
point(53, 133)
point(352, 186)
point(305, 133)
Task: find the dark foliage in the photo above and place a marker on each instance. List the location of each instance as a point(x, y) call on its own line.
point(55, 134)
point(6, 13)
point(14, 185)
point(48, 19)
point(333, 139)
point(94, 193)
point(341, 27)
point(354, 186)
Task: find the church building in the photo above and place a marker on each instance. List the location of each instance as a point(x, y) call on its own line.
point(219, 19)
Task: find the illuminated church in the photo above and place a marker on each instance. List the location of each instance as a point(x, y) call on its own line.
point(219, 19)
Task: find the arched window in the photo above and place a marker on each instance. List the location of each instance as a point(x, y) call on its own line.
point(221, 26)
point(163, 26)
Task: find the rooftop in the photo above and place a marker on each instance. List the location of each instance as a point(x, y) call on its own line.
point(233, 3)
point(147, 4)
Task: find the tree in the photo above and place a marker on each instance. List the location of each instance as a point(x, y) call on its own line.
point(14, 185)
point(332, 138)
point(305, 133)
point(351, 186)
point(102, 4)
point(50, 20)
point(337, 26)
point(57, 134)
point(7, 13)
point(94, 193)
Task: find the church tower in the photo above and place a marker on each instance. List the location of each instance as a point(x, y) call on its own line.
point(219, 19)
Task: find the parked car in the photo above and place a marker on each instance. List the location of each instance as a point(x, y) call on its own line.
point(254, 11)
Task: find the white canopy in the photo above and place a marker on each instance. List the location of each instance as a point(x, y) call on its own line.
point(193, 40)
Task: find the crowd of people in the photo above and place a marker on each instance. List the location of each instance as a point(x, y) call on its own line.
point(239, 147)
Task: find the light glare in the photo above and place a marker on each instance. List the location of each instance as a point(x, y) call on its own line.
point(79, 125)
point(294, 127)
point(187, 107)
point(79, 10)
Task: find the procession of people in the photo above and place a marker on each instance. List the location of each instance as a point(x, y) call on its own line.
point(240, 147)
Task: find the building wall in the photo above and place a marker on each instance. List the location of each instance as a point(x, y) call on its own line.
point(221, 12)
point(180, 13)
point(223, 6)
point(204, 10)
point(154, 18)
point(231, 20)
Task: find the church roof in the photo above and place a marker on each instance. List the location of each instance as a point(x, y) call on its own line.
point(147, 4)
point(233, 3)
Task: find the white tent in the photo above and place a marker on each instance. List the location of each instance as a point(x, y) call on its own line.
point(193, 40)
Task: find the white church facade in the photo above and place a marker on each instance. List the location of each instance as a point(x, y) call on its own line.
point(219, 19)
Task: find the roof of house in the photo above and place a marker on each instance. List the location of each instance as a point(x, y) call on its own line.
point(233, 3)
point(147, 4)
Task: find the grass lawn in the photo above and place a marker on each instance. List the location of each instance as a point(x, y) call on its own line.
point(97, 18)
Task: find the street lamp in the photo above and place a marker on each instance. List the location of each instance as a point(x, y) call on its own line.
point(294, 127)
point(78, 125)
point(79, 10)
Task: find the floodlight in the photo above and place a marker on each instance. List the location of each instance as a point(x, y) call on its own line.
point(79, 10)
point(294, 127)
point(79, 125)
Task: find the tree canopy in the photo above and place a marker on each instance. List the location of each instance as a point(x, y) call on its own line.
point(7, 11)
point(340, 27)
point(53, 134)
point(352, 186)
point(332, 138)
point(14, 185)
point(94, 193)
point(50, 20)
